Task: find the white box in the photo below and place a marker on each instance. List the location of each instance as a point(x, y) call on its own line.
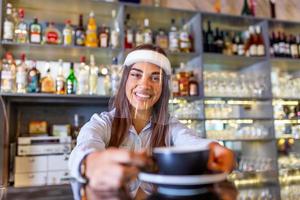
point(30, 164)
point(30, 179)
point(58, 177)
point(58, 162)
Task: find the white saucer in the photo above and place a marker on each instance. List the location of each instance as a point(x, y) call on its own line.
point(182, 180)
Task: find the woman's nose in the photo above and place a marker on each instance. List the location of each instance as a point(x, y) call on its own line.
point(144, 81)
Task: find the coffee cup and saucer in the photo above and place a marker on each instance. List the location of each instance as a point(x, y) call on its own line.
point(181, 171)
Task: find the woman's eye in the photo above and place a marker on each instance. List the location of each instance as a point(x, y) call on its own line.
point(135, 75)
point(156, 78)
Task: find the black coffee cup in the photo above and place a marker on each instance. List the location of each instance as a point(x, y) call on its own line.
point(181, 160)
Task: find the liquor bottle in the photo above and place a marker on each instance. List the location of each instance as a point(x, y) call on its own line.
point(175, 83)
point(252, 7)
point(183, 81)
point(115, 75)
point(115, 31)
point(173, 37)
point(80, 33)
point(8, 74)
point(68, 33)
point(193, 85)
point(240, 45)
point(47, 82)
point(101, 89)
point(71, 81)
point(235, 41)
point(218, 41)
point(104, 36)
point(210, 37)
point(21, 30)
point(52, 34)
point(147, 32)
point(184, 40)
point(139, 37)
point(227, 50)
point(294, 47)
point(128, 33)
point(35, 32)
point(253, 41)
point(91, 39)
point(272, 8)
point(60, 79)
point(21, 76)
point(287, 46)
point(83, 77)
point(33, 79)
point(246, 10)
point(161, 39)
point(281, 44)
point(260, 42)
point(8, 25)
point(93, 76)
point(76, 127)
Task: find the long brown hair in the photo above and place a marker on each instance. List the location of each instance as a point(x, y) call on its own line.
point(121, 125)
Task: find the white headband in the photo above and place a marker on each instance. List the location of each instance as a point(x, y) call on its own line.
point(151, 57)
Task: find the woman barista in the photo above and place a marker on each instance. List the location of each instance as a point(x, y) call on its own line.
point(112, 146)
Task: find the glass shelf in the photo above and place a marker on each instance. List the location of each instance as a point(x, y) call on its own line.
point(55, 98)
point(245, 140)
point(55, 52)
point(238, 98)
point(216, 61)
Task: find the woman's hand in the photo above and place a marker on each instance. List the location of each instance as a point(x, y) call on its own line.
point(220, 158)
point(111, 169)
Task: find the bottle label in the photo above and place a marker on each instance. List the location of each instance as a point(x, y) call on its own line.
point(8, 32)
point(139, 39)
point(173, 38)
point(114, 39)
point(175, 86)
point(80, 38)
point(193, 89)
point(241, 49)
point(21, 78)
point(261, 50)
point(276, 48)
point(68, 37)
point(148, 38)
point(35, 38)
point(294, 50)
point(60, 86)
point(103, 40)
point(129, 37)
point(52, 37)
point(253, 50)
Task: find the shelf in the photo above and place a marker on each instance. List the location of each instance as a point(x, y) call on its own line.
point(187, 98)
point(245, 140)
point(238, 98)
point(55, 52)
point(288, 64)
point(237, 119)
point(55, 98)
point(216, 61)
point(193, 119)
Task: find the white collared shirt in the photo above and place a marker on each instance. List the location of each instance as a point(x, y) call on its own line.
point(95, 136)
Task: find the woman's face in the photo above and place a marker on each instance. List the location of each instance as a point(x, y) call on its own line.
point(144, 85)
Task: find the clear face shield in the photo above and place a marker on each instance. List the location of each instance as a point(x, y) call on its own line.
point(144, 91)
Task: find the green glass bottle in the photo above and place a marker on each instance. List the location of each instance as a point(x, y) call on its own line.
point(246, 10)
point(71, 81)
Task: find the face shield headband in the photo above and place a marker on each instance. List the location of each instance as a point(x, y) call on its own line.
point(151, 57)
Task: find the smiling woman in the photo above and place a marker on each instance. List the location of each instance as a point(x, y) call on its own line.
point(113, 146)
